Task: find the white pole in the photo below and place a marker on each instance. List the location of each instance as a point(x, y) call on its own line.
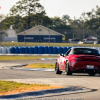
point(73, 39)
point(24, 39)
point(49, 37)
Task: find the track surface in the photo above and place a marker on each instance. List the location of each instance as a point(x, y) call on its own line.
point(80, 80)
point(22, 74)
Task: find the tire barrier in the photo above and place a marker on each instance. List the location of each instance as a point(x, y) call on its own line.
point(31, 50)
point(12, 50)
point(65, 49)
point(60, 50)
point(22, 50)
point(37, 50)
point(40, 50)
point(69, 48)
point(45, 49)
point(55, 50)
point(16, 50)
point(0, 50)
point(50, 50)
point(8, 50)
point(3, 50)
point(26, 50)
point(34, 50)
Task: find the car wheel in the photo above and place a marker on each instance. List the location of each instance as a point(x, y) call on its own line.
point(57, 69)
point(67, 69)
point(92, 74)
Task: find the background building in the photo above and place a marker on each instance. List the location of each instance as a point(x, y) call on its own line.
point(91, 40)
point(40, 34)
point(10, 35)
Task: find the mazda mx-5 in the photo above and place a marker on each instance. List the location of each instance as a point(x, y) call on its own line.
point(79, 60)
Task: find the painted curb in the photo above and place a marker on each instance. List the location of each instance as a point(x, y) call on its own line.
point(33, 69)
point(41, 92)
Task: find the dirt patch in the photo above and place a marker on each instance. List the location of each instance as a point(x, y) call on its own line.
point(23, 89)
point(40, 65)
point(27, 66)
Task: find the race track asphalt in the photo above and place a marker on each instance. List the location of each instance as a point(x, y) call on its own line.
point(90, 84)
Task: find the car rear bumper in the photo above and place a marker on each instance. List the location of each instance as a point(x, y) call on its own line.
point(82, 67)
point(86, 71)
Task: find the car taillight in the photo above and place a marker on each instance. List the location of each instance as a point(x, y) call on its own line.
point(78, 58)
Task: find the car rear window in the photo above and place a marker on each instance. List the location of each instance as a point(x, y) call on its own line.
point(85, 51)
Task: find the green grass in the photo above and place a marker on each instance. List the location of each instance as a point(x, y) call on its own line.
point(24, 57)
point(10, 85)
point(45, 44)
point(41, 65)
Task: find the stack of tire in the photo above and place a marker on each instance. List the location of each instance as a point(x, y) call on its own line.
point(55, 50)
point(34, 50)
point(50, 50)
point(40, 50)
point(45, 49)
point(31, 50)
point(60, 50)
point(21, 50)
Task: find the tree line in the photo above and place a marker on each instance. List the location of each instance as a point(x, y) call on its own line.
point(26, 14)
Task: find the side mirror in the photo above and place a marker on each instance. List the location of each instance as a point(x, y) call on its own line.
point(62, 54)
point(66, 54)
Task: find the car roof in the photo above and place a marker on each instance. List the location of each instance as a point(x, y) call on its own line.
point(84, 47)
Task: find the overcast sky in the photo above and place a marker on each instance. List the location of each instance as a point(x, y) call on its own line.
point(57, 7)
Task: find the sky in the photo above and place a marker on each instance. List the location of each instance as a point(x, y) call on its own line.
point(73, 8)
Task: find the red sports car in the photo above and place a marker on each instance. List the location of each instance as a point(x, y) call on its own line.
point(79, 60)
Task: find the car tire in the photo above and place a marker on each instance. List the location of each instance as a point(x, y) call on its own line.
point(57, 69)
point(67, 69)
point(92, 74)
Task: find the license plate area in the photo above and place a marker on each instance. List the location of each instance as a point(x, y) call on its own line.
point(90, 66)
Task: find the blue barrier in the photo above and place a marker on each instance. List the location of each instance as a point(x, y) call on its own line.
point(31, 50)
point(50, 50)
point(22, 50)
point(26, 50)
point(12, 50)
point(60, 50)
point(69, 48)
point(36, 50)
point(55, 50)
point(40, 50)
point(65, 49)
point(17, 50)
point(46, 50)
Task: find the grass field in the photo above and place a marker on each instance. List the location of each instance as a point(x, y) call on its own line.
point(29, 44)
point(10, 87)
point(4, 85)
point(24, 57)
point(40, 65)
